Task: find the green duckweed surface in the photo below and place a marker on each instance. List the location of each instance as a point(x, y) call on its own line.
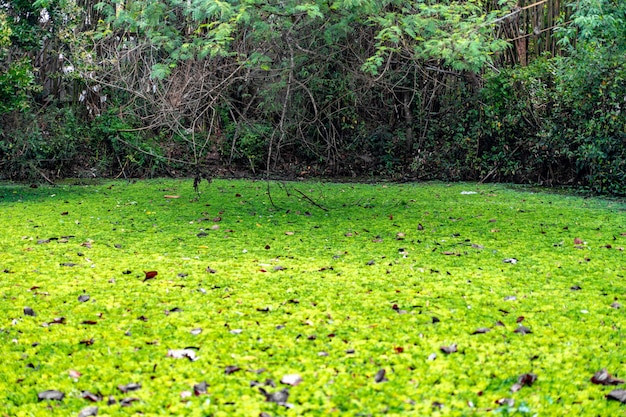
point(350, 294)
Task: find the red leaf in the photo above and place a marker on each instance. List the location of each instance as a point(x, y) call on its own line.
point(150, 275)
point(578, 241)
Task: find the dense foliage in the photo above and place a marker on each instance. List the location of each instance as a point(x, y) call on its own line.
point(486, 90)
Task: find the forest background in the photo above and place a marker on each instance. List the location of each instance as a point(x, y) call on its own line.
point(485, 90)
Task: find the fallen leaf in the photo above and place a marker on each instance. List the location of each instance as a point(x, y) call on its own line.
point(186, 353)
point(231, 369)
point(150, 275)
point(50, 395)
point(510, 261)
point(481, 330)
point(210, 270)
point(522, 330)
point(200, 388)
point(510, 402)
point(171, 196)
point(89, 396)
point(291, 379)
point(278, 397)
point(83, 298)
point(524, 380)
point(88, 412)
point(74, 374)
point(29, 312)
point(380, 376)
point(578, 241)
point(449, 349)
point(127, 402)
point(617, 395)
point(602, 377)
point(132, 386)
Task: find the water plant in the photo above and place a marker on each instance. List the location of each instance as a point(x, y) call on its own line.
point(309, 298)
